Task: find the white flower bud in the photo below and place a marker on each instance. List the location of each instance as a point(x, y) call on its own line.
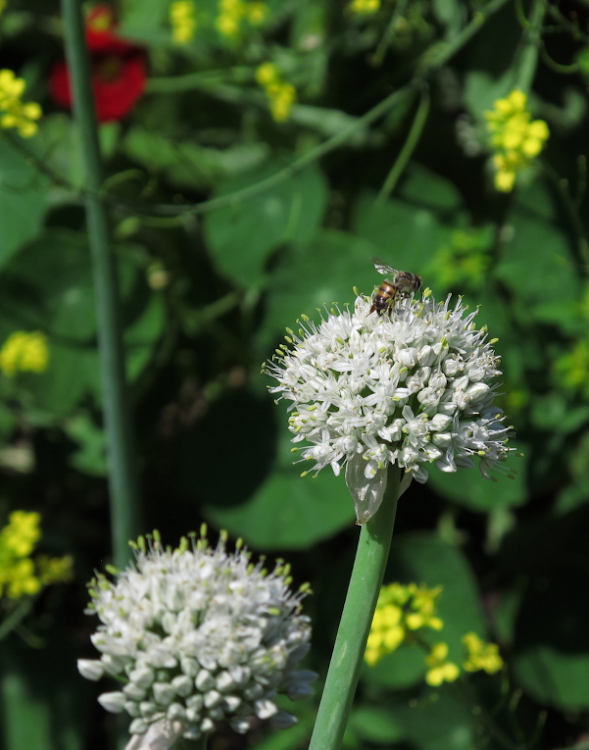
point(204, 681)
point(283, 720)
point(265, 709)
point(239, 725)
point(113, 702)
point(163, 693)
point(232, 702)
point(143, 677)
point(134, 692)
point(91, 669)
point(224, 682)
point(212, 698)
point(176, 712)
point(182, 685)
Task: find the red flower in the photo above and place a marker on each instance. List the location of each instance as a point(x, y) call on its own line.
point(119, 69)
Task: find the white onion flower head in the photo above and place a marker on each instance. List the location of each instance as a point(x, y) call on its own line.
point(197, 635)
point(411, 389)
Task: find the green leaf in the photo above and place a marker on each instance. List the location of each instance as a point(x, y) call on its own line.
point(23, 192)
point(242, 236)
point(402, 669)
point(551, 659)
point(189, 165)
point(263, 499)
point(378, 725)
point(469, 488)
point(405, 231)
point(439, 721)
point(311, 275)
point(48, 286)
point(537, 265)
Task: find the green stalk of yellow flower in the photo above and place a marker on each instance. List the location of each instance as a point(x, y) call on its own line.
point(348, 652)
point(123, 482)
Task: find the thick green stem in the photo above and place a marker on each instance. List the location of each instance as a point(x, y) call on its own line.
point(350, 643)
point(123, 484)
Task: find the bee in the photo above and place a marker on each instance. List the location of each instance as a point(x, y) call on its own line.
point(401, 284)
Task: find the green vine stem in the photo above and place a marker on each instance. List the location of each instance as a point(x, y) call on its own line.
point(408, 148)
point(528, 58)
point(348, 652)
point(123, 483)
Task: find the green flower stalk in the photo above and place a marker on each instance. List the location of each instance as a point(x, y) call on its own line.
point(379, 395)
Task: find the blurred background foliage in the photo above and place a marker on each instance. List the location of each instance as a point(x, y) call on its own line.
point(272, 150)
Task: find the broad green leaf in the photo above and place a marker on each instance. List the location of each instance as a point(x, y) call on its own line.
point(311, 275)
point(551, 659)
point(537, 264)
point(406, 231)
point(189, 165)
point(49, 287)
point(402, 669)
point(377, 724)
point(439, 721)
point(263, 498)
point(23, 191)
point(242, 236)
point(469, 488)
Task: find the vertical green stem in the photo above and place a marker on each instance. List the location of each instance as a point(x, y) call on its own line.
point(123, 483)
point(528, 59)
point(348, 652)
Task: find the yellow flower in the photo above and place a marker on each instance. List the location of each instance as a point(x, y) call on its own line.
point(400, 610)
point(440, 670)
point(364, 6)
point(281, 95)
point(21, 534)
point(20, 575)
point(21, 579)
point(480, 655)
point(515, 139)
point(13, 113)
point(55, 569)
point(24, 352)
point(267, 74)
point(233, 12)
point(183, 21)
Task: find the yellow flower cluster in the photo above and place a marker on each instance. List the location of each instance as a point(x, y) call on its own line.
point(233, 12)
point(13, 112)
point(481, 656)
point(24, 352)
point(19, 576)
point(400, 610)
point(439, 668)
point(515, 138)
point(364, 7)
point(183, 21)
point(281, 95)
